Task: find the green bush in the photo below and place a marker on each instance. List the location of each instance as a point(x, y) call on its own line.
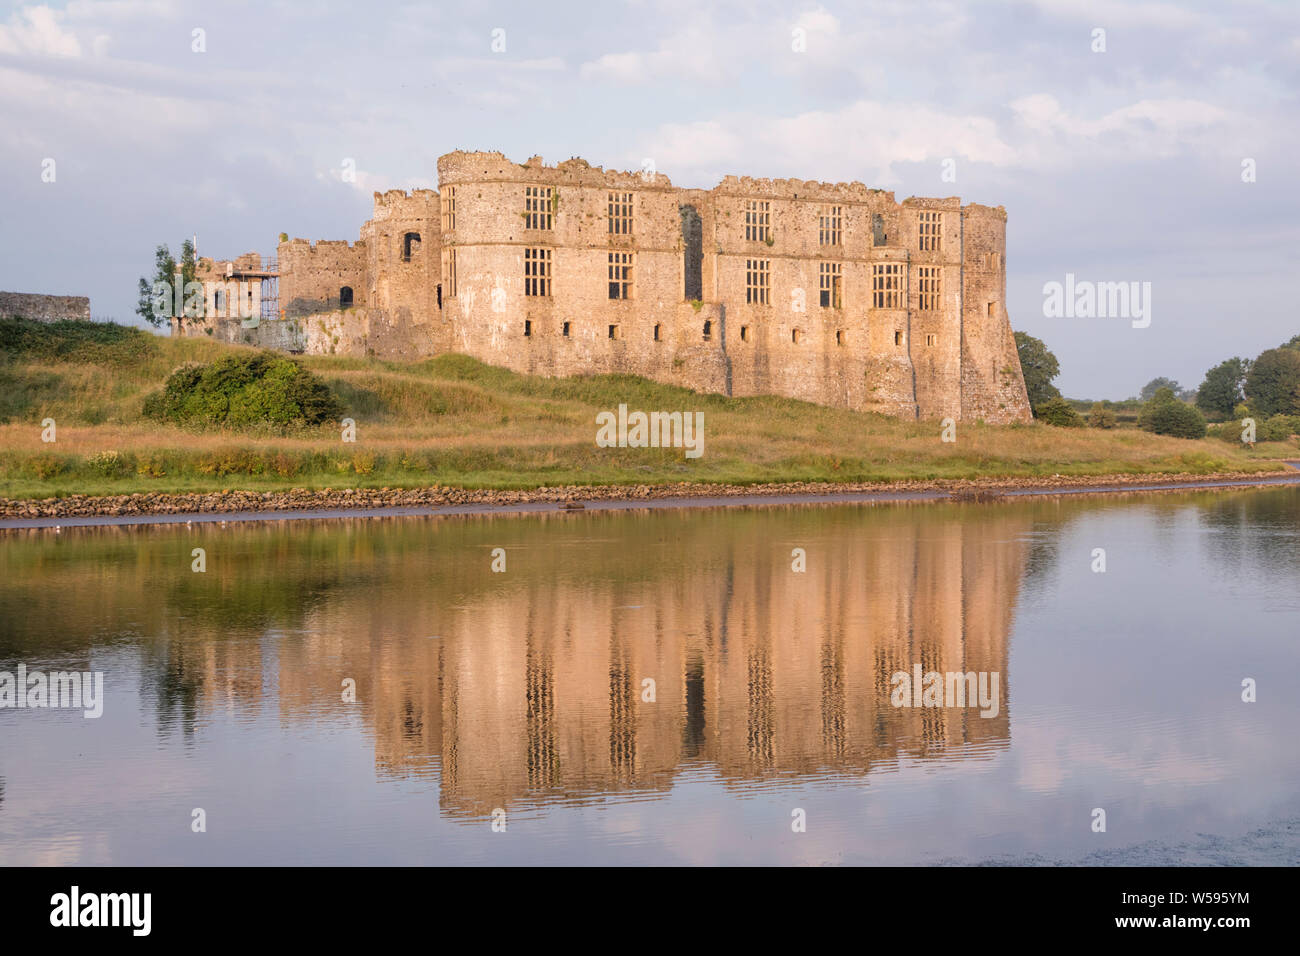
point(1099, 416)
point(1166, 415)
point(1059, 412)
point(1277, 428)
point(243, 391)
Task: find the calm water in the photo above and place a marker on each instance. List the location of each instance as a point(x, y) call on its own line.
point(522, 691)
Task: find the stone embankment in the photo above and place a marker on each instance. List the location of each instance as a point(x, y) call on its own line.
point(350, 499)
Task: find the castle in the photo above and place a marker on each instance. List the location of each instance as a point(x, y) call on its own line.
point(831, 293)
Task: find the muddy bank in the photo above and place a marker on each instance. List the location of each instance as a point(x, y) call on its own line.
point(305, 503)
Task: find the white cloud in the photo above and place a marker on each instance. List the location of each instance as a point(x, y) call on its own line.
point(37, 30)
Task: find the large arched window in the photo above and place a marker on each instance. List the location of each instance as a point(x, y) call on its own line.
point(345, 297)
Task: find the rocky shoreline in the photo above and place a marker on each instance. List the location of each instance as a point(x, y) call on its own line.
point(348, 499)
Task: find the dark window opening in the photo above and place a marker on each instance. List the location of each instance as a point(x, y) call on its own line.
point(692, 254)
point(345, 297)
point(656, 332)
point(878, 236)
point(744, 333)
point(528, 327)
point(440, 295)
point(564, 330)
point(708, 330)
point(613, 332)
point(410, 244)
point(839, 337)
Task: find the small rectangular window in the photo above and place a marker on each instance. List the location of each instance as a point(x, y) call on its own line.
point(898, 337)
point(931, 339)
point(614, 332)
point(565, 330)
point(758, 220)
point(528, 327)
point(931, 231)
point(449, 271)
point(758, 278)
point(620, 275)
point(887, 285)
point(829, 222)
point(744, 333)
point(656, 331)
point(620, 214)
point(448, 208)
point(930, 295)
point(830, 278)
point(537, 272)
point(537, 207)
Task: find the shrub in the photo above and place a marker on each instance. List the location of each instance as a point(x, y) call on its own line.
point(1099, 416)
point(1058, 412)
point(1277, 428)
point(110, 464)
point(1166, 415)
point(242, 391)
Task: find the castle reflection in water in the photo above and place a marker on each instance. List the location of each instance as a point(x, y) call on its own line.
point(522, 688)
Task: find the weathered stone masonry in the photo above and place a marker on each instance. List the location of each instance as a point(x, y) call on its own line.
point(832, 293)
point(45, 308)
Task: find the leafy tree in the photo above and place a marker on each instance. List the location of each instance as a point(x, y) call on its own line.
point(1057, 411)
point(1099, 416)
point(1150, 388)
point(1291, 343)
point(1039, 367)
point(165, 270)
point(1222, 389)
point(1164, 414)
point(1273, 383)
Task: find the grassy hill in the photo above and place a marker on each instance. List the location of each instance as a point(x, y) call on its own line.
point(454, 421)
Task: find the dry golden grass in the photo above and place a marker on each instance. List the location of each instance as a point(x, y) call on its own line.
point(454, 421)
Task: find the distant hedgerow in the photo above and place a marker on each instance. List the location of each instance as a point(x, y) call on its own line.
point(244, 391)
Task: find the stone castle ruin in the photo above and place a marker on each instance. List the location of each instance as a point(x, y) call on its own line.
point(831, 293)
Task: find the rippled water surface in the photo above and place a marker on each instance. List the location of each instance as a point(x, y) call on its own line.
point(523, 696)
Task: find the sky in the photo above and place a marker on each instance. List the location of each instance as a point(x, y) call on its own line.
point(1129, 141)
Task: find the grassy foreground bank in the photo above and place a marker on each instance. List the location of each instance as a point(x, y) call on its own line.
point(453, 421)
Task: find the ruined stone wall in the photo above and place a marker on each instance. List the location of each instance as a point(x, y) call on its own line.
point(578, 328)
point(404, 268)
point(314, 275)
point(448, 270)
point(44, 308)
point(839, 353)
point(228, 291)
point(993, 386)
